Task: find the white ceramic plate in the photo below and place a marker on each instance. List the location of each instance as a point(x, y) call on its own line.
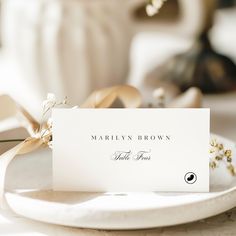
point(29, 194)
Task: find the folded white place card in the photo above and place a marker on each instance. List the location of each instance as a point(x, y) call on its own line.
point(98, 150)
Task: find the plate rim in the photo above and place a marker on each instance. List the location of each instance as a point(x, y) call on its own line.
point(11, 194)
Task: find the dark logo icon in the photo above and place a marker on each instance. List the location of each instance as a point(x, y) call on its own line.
point(190, 178)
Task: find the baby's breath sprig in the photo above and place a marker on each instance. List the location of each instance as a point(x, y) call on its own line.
point(160, 96)
point(220, 154)
point(153, 6)
point(51, 102)
point(45, 129)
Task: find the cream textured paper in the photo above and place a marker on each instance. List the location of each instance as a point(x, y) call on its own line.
point(131, 149)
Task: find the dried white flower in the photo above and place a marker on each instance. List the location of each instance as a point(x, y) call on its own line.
point(159, 97)
point(45, 129)
point(218, 153)
point(51, 97)
point(158, 93)
point(157, 3)
point(50, 101)
point(49, 122)
point(151, 10)
point(153, 7)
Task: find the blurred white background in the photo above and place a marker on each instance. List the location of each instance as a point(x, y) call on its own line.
point(148, 49)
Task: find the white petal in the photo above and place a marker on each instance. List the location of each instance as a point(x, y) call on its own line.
point(151, 10)
point(49, 121)
point(45, 102)
point(157, 3)
point(158, 93)
point(51, 97)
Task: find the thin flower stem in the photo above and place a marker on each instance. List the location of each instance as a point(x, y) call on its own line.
point(11, 140)
point(44, 132)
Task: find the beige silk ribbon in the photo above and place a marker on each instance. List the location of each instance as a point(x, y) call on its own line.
point(104, 98)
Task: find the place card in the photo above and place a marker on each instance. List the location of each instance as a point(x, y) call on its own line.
point(125, 150)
